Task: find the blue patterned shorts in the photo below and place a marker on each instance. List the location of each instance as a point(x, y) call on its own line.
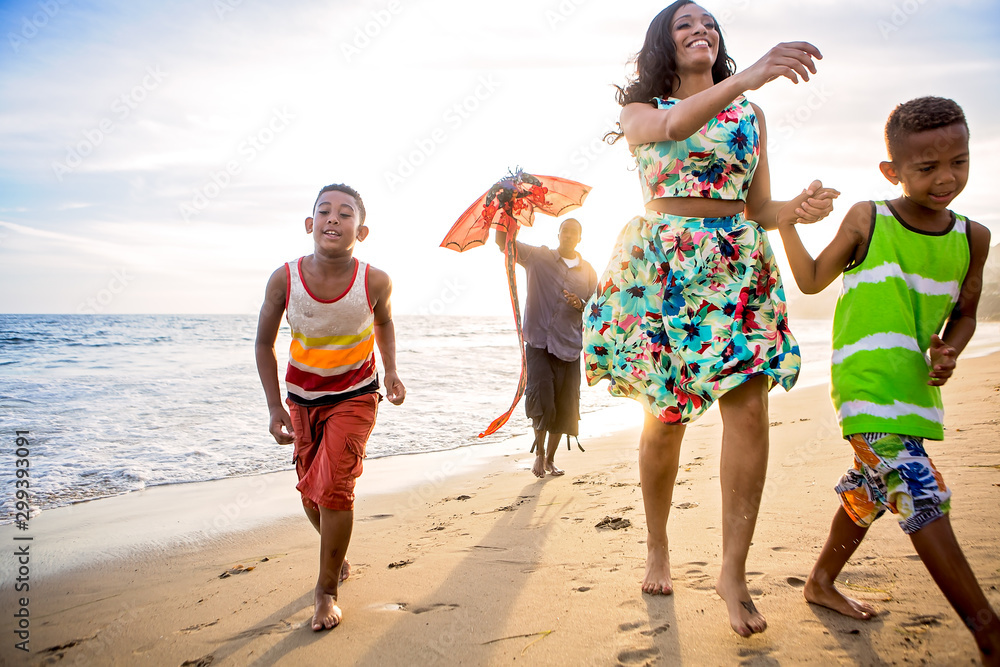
point(893, 472)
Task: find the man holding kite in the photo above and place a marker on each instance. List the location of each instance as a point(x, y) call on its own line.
point(559, 283)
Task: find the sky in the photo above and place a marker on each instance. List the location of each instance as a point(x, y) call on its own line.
point(162, 157)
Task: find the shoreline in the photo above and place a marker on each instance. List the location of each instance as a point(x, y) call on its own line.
point(153, 520)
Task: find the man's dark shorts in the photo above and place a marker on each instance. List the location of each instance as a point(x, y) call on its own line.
point(552, 397)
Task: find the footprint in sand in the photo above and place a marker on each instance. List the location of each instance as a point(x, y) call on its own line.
point(795, 582)
point(753, 652)
point(195, 628)
point(927, 620)
point(203, 661)
point(652, 632)
point(270, 629)
point(435, 607)
point(637, 656)
point(625, 627)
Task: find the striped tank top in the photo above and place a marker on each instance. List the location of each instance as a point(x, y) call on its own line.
point(332, 354)
point(892, 301)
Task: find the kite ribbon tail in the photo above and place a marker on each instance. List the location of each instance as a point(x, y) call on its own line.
point(510, 255)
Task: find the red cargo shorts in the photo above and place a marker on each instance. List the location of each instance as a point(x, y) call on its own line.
point(330, 448)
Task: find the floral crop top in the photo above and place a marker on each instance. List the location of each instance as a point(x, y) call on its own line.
point(717, 162)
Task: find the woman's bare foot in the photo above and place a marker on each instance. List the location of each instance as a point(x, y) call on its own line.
point(538, 470)
point(657, 580)
point(345, 570)
point(326, 614)
point(550, 467)
point(743, 615)
point(828, 596)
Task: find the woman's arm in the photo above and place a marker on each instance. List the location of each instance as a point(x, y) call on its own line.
point(643, 124)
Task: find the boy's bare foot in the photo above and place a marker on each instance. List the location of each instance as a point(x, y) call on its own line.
point(829, 597)
point(538, 470)
point(657, 580)
point(326, 614)
point(345, 570)
point(743, 615)
point(550, 467)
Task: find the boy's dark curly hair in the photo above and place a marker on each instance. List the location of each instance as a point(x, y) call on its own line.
point(920, 115)
point(656, 64)
point(346, 189)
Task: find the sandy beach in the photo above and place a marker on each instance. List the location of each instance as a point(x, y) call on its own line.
point(468, 559)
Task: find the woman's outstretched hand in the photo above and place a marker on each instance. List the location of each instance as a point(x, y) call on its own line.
point(814, 204)
point(788, 59)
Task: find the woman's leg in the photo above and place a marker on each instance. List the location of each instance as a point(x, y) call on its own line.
point(743, 469)
point(659, 454)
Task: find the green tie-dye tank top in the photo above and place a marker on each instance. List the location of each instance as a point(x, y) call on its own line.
point(892, 301)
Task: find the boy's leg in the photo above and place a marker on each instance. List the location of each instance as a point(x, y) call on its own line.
point(845, 536)
point(334, 538)
point(659, 454)
point(550, 455)
point(940, 552)
point(743, 469)
point(312, 511)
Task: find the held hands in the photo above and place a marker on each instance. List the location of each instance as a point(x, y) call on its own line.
point(281, 426)
point(943, 358)
point(788, 59)
point(814, 204)
point(394, 389)
point(573, 300)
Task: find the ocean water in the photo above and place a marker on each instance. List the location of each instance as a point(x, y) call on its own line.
point(117, 403)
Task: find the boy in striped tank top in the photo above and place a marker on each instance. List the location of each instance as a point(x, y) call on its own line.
point(337, 310)
point(911, 268)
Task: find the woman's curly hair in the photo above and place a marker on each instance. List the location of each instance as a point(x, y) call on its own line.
point(656, 65)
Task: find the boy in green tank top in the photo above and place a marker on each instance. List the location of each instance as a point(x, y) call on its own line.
point(911, 267)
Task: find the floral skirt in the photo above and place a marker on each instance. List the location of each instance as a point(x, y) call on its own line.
point(688, 309)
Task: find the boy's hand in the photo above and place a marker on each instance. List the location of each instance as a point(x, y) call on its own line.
point(814, 204)
point(394, 389)
point(943, 358)
point(281, 426)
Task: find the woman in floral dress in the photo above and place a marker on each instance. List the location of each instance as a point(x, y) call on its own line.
point(691, 308)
